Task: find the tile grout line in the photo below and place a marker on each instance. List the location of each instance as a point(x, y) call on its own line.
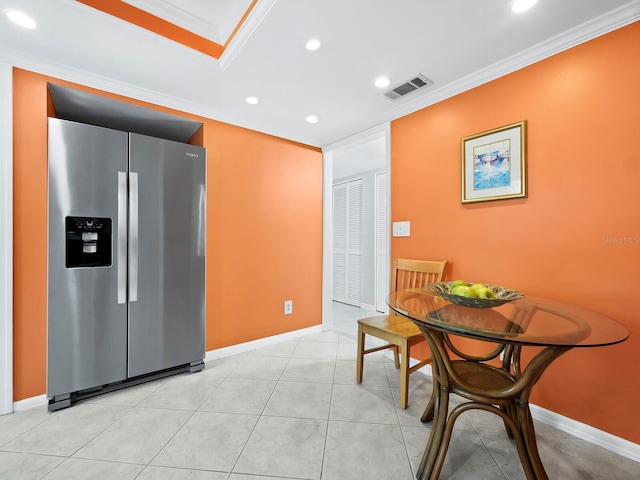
point(244, 446)
point(67, 457)
point(179, 429)
point(326, 431)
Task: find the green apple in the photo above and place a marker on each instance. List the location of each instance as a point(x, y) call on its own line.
point(464, 291)
point(457, 283)
point(485, 293)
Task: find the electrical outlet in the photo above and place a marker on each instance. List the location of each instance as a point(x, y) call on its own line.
point(288, 307)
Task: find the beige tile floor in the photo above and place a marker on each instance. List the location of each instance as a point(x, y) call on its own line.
point(287, 411)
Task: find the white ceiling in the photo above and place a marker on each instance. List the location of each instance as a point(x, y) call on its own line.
point(458, 44)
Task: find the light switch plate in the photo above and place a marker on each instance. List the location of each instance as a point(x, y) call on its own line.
point(401, 229)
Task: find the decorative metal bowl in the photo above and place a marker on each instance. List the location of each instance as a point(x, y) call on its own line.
point(503, 295)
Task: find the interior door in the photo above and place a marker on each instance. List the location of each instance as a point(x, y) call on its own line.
point(347, 242)
point(166, 254)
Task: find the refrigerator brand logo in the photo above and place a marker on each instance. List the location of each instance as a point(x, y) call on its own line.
point(191, 154)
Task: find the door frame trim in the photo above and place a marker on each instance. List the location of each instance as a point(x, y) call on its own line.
point(376, 292)
point(6, 238)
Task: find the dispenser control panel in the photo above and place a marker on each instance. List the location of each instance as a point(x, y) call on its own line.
point(88, 242)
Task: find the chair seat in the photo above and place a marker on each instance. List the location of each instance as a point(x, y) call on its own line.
point(392, 325)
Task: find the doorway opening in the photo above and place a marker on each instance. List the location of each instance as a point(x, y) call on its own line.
point(356, 230)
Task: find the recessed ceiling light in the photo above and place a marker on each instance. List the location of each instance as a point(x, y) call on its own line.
point(522, 5)
point(252, 100)
point(312, 119)
point(313, 44)
point(20, 18)
point(382, 82)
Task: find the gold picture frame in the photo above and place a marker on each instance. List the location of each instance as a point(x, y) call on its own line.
point(494, 164)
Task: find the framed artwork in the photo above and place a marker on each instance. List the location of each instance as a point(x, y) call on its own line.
point(494, 164)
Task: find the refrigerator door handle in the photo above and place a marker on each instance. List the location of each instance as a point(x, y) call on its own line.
point(133, 237)
point(122, 237)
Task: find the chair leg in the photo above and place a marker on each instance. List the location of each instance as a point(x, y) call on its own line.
point(404, 375)
point(360, 356)
point(396, 357)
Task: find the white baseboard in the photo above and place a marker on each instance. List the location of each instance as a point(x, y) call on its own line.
point(29, 403)
point(41, 400)
point(586, 432)
point(261, 342)
point(610, 442)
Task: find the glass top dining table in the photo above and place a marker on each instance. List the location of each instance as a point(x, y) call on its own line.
point(525, 321)
point(497, 381)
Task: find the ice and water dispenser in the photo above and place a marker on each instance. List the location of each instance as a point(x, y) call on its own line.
point(88, 242)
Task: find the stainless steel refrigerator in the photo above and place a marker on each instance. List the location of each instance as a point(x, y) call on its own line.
point(126, 260)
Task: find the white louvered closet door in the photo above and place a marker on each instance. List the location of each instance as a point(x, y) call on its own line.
point(347, 242)
point(382, 239)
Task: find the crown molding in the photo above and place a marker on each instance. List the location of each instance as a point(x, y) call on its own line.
point(253, 21)
point(379, 131)
point(248, 28)
point(613, 20)
point(181, 18)
point(99, 82)
point(83, 13)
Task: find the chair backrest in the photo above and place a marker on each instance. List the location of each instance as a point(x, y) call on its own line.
point(416, 273)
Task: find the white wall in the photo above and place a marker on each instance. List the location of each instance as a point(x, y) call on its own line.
point(360, 157)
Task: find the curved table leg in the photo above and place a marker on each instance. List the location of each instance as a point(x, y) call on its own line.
point(438, 407)
point(427, 416)
point(524, 421)
point(511, 425)
point(435, 443)
point(508, 410)
point(525, 424)
point(444, 443)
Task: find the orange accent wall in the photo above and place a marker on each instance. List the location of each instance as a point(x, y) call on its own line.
point(264, 231)
point(576, 238)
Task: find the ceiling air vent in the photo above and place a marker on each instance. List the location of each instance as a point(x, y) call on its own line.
point(412, 85)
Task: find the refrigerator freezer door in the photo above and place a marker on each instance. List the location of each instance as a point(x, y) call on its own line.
point(167, 318)
point(86, 326)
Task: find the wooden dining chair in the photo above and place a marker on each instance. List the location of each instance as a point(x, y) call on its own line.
point(400, 332)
